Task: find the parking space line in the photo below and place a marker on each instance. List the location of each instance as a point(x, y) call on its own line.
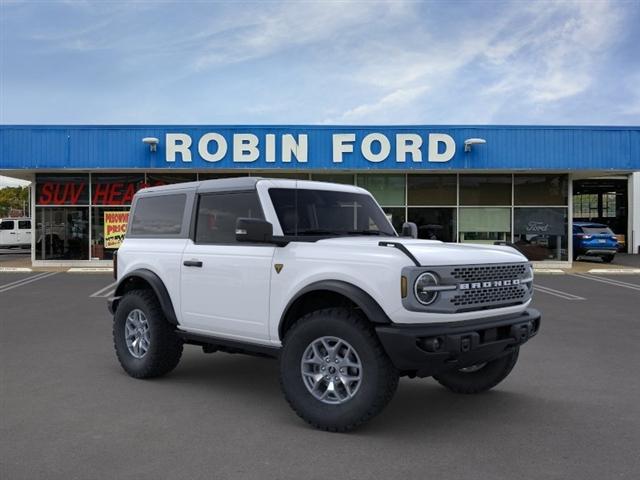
point(608, 281)
point(22, 280)
point(104, 291)
point(19, 283)
point(557, 293)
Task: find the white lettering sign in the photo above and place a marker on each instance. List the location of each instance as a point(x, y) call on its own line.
point(339, 147)
point(435, 139)
point(245, 147)
point(178, 143)
point(374, 147)
point(298, 148)
point(408, 143)
point(367, 150)
point(538, 227)
point(203, 147)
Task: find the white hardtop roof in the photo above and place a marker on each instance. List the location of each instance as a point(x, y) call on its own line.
point(250, 183)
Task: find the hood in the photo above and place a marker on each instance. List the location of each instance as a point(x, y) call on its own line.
point(433, 252)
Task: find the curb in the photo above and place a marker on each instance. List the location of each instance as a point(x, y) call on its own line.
point(90, 270)
point(626, 271)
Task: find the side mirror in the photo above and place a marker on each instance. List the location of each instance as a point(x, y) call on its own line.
point(409, 229)
point(253, 230)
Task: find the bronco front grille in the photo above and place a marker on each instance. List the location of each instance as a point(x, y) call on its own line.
point(491, 296)
point(482, 273)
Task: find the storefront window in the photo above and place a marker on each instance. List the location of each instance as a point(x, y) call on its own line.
point(541, 233)
point(540, 189)
point(63, 189)
point(485, 190)
point(345, 179)
point(426, 190)
point(214, 176)
point(62, 233)
point(396, 216)
point(115, 189)
point(157, 179)
point(434, 223)
point(485, 225)
point(291, 175)
point(387, 189)
point(108, 226)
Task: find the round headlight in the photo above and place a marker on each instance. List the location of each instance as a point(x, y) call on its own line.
point(422, 288)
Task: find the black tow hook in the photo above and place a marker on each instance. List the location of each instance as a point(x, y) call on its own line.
point(522, 331)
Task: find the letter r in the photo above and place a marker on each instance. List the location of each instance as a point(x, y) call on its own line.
point(178, 143)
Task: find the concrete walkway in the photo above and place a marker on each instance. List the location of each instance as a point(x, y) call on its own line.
point(622, 263)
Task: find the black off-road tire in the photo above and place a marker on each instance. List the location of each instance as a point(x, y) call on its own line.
point(481, 380)
point(165, 347)
point(608, 258)
point(379, 376)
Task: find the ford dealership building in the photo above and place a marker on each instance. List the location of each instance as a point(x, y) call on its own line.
point(516, 184)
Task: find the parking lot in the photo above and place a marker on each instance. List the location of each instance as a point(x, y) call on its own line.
point(570, 409)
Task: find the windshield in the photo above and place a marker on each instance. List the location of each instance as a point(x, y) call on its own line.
point(326, 213)
point(596, 230)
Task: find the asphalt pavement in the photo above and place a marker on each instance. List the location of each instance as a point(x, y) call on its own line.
point(570, 409)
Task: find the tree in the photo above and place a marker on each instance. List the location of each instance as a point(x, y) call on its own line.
point(13, 198)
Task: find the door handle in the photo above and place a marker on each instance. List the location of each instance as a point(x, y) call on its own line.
point(192, 263)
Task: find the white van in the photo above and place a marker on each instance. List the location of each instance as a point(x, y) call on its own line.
point(15, 232)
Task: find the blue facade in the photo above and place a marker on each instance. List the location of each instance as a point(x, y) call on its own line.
point(507, 148)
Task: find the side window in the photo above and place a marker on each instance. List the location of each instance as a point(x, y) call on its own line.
point(218, 212)
point(24, 224)
point(6, 225)
point(158, 216)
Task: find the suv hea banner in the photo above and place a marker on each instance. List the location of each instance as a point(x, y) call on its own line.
point(115, 227)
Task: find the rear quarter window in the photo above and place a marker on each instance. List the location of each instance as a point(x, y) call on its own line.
point(158, 215)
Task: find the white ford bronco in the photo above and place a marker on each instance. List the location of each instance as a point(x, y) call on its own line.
point(315, 275)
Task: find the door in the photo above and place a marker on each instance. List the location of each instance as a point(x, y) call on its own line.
point(24, 232)
point(8, 236)
point(225, 284)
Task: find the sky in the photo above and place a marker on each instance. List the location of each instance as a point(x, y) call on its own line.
point(328, 62)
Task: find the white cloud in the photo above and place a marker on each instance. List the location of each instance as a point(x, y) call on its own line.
point(308, 62)
point(536, 54)
point(387, 104)
point(252, 35)
point(554, 56)
point(12, 182)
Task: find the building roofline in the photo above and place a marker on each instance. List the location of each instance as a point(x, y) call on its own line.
point(318, 127)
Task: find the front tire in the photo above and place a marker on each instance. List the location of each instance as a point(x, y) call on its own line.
point(608, 258)
point(145, 343)
point(333, 371)
point(479, 378)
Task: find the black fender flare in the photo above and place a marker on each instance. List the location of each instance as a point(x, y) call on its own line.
point(359, 297)
point(158, 287)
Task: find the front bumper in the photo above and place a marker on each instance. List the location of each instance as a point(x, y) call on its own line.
point(426, 350)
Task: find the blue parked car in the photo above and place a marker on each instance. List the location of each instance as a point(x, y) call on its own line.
point(594, 239)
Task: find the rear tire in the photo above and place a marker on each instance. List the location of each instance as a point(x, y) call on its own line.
point(608, 258)
point(468, 381)
point(146, 344)
point(351, 341)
